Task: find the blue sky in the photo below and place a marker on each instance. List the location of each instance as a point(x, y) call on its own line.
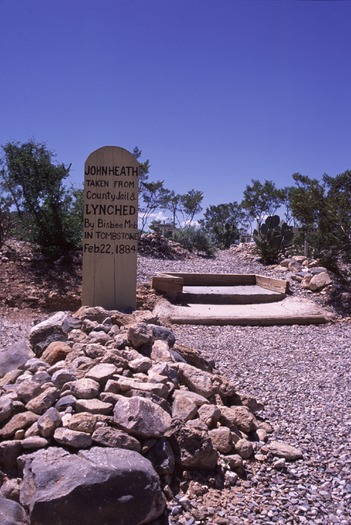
point(214, 92)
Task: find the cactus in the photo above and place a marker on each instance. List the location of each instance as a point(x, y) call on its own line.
point(272, 237)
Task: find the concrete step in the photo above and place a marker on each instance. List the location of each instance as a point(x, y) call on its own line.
point(245, 294)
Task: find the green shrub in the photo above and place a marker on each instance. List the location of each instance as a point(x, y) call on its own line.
point(194, 238)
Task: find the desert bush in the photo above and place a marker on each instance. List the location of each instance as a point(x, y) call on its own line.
point(194, 238)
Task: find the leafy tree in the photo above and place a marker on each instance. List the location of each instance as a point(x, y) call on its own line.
point(172, 201)
point(191, 205)
point(35, 185)
point(155, 225)
point(74, 219)
point(262, 199)
point(335, 216)
point(289, 217)
point(151, 194)
point(323, 208)
point(152, 198)
point(306, 200)
point(224, 223)
point(144, 170)
point(5, 218)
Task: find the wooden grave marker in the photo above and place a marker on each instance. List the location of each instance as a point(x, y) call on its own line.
point(110, 229)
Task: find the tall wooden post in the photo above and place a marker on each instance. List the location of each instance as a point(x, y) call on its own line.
point(110, 229)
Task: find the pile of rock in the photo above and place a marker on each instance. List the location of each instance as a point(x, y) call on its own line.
point(109, 415)
point(160, 247)
point(307, 272)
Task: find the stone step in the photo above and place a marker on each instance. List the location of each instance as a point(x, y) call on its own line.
point(246, 294)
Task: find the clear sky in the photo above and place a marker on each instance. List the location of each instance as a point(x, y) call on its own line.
point(214, 92)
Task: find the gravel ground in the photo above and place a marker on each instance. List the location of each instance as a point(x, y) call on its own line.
point(302, 374)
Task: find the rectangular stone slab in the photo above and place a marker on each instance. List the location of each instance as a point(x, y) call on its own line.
point(289, 311)
point(229, 294)
point(173, 284)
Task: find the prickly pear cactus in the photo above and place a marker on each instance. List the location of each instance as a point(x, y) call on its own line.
point(272, 237)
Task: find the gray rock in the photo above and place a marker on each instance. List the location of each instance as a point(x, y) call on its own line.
point(12, 513)
point(10, 377)
point(34, 364)
point(100, 337)
point(160, 352)
point(82, 422)
point(193, 449)
point(44, 400)
point(94, 406)
point(49, 422)
point(221, 439)
point(101, 372)
point(112, 437)
point(283, 450)
point(140, 364)
point(65, 401)
point(11, 489)
point(46, 332)
point(94, 313)
point(314, 270)
point(183, 407)
point(27, 389)
point(198, 399)
point(162, 457)
point(72, 438)
point(235, 462)
point(124, 384)
point(209, 414)
point(162, 333)
point(101, 485)
point(9, 452)
point(95, 351)
point(70, 323)
point(41, 377)
point(299, 258)
point(196, 380)
point(141, 417)
point(84, 388)
point(140, 334)
point(163, 369)
point(261, 434)
point(223, 387)
point(244, 448)
point(32, 430)
point(14, 356)
point(6, 406)
point(238, 417)
point(62, 376)
point(34, 442)
point(319, 281)
point(18, 422)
